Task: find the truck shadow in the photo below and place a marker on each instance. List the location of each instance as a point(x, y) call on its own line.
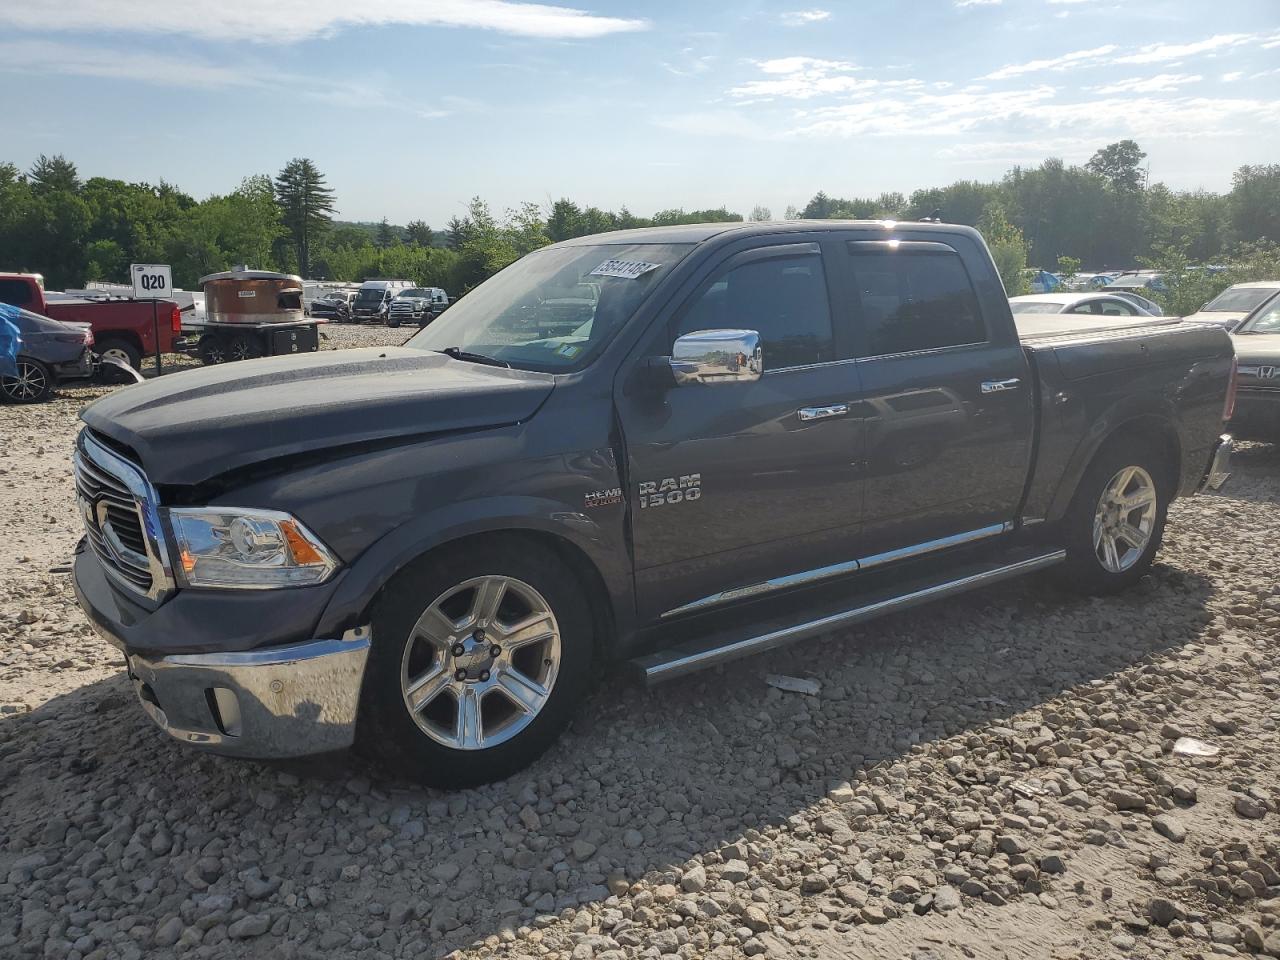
point(642, 782)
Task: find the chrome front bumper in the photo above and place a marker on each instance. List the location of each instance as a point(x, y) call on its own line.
point(1219, 465)
point(279, 702)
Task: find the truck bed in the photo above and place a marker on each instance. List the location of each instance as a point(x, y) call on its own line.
point(1092, 372)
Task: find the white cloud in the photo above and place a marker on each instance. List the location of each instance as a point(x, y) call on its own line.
point(802, 18)
point(109, 63)
point(1161, 83)
point(795, 65)
point(978, 3)
point(804, 78)
point(921, 113)
point(1067, 61)
point(288, 21)
point(1233, 76)
point(1163, 52)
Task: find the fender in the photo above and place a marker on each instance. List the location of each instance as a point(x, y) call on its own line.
point(603, 546)
point(1155, 414)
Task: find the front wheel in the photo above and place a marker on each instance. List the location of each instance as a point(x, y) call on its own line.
point(480, 657)
point(1115, 523)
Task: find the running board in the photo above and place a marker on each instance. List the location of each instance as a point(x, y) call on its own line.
point(690, 657)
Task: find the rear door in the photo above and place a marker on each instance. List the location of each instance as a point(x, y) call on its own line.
point(947, 398)
point(741, 485)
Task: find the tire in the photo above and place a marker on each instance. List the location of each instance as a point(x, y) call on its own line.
point(212, 350)
point(440, 594)
point(244, 346)
point(1141, 473)
point(392, 323)
point(33, 384)
point(120, 349)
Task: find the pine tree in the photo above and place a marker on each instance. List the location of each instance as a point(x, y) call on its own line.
point(306, 207)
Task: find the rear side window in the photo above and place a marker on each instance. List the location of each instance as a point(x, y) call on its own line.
point(915, 301)
point(16, 292)
point(782, 299)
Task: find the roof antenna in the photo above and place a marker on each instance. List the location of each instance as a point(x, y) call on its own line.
point(935, 217)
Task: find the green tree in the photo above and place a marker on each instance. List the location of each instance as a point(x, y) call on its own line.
point(385, 235)
point(1255, 202)
point(1120, 164)
point(48, 174)
point(565, 221)
point(418, 233)
point(760, 214)
point(1068, 267)
point(1007, 246)
point(306, 207)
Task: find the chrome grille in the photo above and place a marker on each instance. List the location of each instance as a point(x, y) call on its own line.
point(121, 519)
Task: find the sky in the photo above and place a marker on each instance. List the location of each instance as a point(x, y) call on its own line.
point(411, 107)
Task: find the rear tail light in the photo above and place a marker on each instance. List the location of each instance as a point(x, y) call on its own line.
point(175, 321)
point(1229, 407)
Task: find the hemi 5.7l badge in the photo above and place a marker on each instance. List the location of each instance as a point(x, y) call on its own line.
point(669, 490)
point(603, 498)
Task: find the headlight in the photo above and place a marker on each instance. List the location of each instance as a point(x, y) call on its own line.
point(246, 549)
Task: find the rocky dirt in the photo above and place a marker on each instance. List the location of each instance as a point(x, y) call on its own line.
point(996, 779)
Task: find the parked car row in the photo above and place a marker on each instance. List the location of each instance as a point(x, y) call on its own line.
point(393, 302)
point(1250, 312)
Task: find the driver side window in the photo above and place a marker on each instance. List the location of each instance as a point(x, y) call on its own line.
point(784, 299)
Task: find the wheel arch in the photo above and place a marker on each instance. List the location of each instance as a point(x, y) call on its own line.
point(606, 582)
point(1144, 427)
point(127, 336)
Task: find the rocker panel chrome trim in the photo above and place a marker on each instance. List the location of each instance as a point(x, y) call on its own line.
point(837, 569)
point(656, 669)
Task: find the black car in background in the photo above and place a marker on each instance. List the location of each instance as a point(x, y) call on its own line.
point(51, 351)
point(334, 306)
point(1257, 342)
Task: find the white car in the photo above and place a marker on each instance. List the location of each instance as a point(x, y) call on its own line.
point(1236, 302)
point(1088, 304)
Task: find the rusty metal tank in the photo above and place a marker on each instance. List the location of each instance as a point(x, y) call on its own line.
point(244, 296)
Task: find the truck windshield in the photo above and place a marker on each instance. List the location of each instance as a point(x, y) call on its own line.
point(554, 309)
point(370, 296)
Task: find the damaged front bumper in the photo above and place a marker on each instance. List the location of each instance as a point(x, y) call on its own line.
point(200, 676)
point(278, 702)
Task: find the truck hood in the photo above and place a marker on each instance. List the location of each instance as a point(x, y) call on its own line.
point(195, 425)
point(1223, 318)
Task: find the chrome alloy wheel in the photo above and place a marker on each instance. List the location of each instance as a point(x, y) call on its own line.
point(30, 382)
point(480, 663)
point(1125, 519)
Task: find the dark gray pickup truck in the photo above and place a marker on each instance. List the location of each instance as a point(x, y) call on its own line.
point(763, 432)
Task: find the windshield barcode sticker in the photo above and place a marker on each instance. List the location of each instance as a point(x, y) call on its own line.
point(626, 269)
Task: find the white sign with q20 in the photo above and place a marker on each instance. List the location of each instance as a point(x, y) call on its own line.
point(151, 281)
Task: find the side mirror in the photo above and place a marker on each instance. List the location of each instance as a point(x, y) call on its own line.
point(717, 356)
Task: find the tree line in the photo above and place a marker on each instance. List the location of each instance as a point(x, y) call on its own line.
point(1102, 215)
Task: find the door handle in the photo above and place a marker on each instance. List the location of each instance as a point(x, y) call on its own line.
point(806, 414)
point(999, 386)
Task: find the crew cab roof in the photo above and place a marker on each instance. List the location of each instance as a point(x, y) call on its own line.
point(698, 232)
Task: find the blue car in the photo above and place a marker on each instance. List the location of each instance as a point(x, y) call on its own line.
point(48, 352)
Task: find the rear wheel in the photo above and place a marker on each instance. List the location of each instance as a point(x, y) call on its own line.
point(33, 383)
point(244, 346)
point(121, 350)
point(1115, 523)
point(480, 656)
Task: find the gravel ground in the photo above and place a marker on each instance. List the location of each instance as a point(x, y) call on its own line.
point(996, 782)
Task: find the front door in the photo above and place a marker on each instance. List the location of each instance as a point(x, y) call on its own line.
point(737, 484)
point(947, 399)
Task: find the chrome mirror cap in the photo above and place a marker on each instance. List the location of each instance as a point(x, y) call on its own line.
point(717, 356)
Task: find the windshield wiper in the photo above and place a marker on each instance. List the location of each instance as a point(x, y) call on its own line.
point(459, 354)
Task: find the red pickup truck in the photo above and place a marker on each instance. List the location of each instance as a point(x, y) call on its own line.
point(122, 329)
